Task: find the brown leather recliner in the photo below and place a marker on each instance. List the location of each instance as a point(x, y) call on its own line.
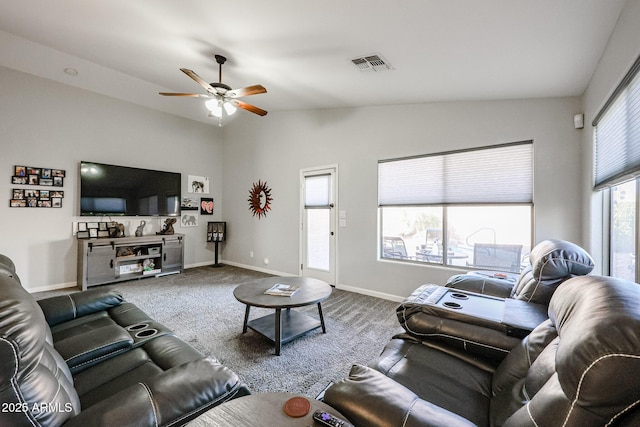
point(579, 368)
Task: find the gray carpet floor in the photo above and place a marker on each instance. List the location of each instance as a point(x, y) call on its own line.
point(199, 307)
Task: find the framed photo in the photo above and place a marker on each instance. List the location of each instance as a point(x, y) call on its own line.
point(33, 171)
point(206, 206)
point(46, 173)
point(32, 193)
point(22, 180)
point(58, 181)
point(103, 233)
point(20, 171)
point(198, 184)
point(46, 181)
point(189, 220)
point(92, 226)
point(18, 194)
point(82, 226)
point(58, 173)
point(18, 203)
point(34, 179)
point(93, 232)
point(102, 226)
point(56, 202)
point(44, 194)
point(189, 204)
point(82, 235)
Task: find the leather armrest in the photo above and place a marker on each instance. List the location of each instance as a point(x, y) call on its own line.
point(171, 398)
point(68, 307)
point(85, 349)
point(488, 338)
point(368, 398)
point(481, 284)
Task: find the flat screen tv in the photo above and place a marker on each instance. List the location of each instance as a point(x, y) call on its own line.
point(119, 190)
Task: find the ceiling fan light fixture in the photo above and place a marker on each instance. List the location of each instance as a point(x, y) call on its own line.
point(229, 108)
point(216, 105)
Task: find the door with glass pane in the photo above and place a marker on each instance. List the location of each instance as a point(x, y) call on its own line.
point(318, 239)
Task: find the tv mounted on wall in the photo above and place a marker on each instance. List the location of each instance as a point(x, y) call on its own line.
point(120, 190)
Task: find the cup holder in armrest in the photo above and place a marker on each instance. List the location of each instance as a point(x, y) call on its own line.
point(451, 304)
point(137, 327)
point(458, 295)
point(146, 333)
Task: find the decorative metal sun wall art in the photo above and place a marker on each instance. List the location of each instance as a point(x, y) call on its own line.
point(260, 199)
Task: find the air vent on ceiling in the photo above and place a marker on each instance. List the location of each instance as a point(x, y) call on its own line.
point(371, 63)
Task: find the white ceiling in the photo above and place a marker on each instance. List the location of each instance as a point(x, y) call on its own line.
point(300, 50)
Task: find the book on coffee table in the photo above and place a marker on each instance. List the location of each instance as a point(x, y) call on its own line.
point(280, 289)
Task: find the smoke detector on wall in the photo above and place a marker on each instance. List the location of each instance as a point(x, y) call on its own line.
point(373, 62)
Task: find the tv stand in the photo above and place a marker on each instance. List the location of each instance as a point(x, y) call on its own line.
point(111, 260)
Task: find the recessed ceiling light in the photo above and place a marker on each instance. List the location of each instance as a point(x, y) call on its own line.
point(71, 71)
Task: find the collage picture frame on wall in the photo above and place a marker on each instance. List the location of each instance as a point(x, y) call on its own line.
point(37, 198)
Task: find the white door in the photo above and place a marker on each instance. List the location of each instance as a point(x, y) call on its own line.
point(318, 218)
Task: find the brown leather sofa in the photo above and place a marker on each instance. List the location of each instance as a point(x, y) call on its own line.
point(91, 359)
point(580, 367)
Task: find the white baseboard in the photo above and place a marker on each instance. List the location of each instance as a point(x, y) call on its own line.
point(370, 293)
point(260, 269)
point(53, 287)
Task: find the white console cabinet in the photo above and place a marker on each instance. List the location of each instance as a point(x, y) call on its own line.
point(110, 260)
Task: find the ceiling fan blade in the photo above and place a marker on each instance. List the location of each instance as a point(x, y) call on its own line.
point(248, 107)
point(246, 91)
point(199, 80)
point(193, 95)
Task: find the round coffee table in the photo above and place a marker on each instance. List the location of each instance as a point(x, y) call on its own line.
point(262, 409)
point(281, 328)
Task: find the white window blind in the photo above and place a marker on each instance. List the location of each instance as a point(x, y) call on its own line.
point(317, 191)
point(617, 135)
point(496, 174)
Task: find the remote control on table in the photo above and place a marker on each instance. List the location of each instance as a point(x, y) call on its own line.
point(326, 419)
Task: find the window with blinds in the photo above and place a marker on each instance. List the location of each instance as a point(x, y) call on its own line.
point(617, 133)
point(469, 208)
point(496, 174)
point(616, 167)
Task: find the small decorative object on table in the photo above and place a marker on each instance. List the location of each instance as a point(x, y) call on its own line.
point(115, 230)
point(297, 407)
point(282, 290)
point(140, 228)
point(168, 226)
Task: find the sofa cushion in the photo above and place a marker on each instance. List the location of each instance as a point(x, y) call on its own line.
point(456, 384)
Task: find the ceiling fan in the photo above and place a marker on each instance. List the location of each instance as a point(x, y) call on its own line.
point(222, 99)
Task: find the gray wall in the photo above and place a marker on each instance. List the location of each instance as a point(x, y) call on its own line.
point(277, 148)
point(48, 124)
